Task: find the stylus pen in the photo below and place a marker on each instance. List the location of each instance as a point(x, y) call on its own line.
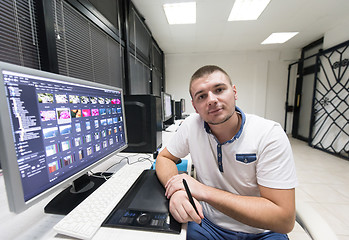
point(191, 200)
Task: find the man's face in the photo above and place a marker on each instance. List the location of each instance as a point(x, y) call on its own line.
point(213, 97)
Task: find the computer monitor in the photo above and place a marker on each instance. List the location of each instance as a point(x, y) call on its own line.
point(166, 106)
point(180, 109)
point(53, 130)
point(183, 105)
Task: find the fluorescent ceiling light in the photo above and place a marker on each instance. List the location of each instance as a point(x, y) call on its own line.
point(244, 10)
point(280, 37)
point(180, 13)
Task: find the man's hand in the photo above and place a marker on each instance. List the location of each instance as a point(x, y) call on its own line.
point(182, 210)
point(273, 210)
point(176, 183)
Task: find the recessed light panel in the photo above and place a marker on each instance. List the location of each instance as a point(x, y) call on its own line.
point(180, 13)
point(244, 10)
point(280, 37)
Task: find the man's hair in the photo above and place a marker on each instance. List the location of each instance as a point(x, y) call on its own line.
point(207, 70)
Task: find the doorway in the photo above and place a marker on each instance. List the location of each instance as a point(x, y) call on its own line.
point(302, 106)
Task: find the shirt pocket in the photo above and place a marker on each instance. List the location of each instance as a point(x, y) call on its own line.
point(246, 158)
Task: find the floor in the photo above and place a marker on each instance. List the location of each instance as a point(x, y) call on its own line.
point(323, 184)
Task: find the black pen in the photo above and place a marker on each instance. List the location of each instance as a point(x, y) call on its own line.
point(191, 200)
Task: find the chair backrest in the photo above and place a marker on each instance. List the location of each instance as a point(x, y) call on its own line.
point(312, 222)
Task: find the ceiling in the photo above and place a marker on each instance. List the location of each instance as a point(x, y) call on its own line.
point(213, 33)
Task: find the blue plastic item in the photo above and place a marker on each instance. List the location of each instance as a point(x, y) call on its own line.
point(182, 165)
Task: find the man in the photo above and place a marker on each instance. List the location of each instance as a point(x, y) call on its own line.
point(245, 185)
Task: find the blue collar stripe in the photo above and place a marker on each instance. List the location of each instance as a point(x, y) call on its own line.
point(219, 157)
point(219, 145)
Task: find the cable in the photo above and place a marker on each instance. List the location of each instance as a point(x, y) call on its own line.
point(128, 158)
point(100, 175)
point(142, 159)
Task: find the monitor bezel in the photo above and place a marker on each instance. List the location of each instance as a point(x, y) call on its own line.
point(11, 172)
point(182, 105)
point(164, 118)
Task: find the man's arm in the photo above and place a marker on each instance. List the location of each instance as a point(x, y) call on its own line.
point(273, 210)
point(180, 207)
point(166, 166)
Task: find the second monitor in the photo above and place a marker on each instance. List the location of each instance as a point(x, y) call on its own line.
point(179, 108)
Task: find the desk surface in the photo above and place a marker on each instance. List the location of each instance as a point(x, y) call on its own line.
point(35, 224)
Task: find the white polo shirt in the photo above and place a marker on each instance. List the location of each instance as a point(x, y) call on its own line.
point(260, 153)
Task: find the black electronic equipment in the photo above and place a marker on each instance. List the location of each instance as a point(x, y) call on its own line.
point(144, 123)
point(180, 108)
point(144, 207)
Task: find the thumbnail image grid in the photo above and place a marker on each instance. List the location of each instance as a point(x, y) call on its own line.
point(64, 116)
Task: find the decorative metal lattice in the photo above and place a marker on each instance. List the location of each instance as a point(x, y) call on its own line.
point(330, 110)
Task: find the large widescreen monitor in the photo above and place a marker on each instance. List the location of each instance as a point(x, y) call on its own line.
point(53, 129)
point(166, 106)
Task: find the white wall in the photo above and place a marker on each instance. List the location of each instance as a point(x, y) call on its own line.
point(337, 35)
point(260, 78)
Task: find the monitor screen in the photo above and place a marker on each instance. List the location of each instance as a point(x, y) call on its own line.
point(59, 127)
point(166, 106)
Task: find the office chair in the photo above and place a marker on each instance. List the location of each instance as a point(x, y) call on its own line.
point(312, 223)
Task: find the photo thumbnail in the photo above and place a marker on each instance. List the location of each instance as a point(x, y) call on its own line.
point(45, 98)
point(101, 100)
point(96, 124)
point(78, 127)
point(50, 132)
point(102, 111)
point(86, 112)
point(74, 99)
point(77, 141)
point(52, 167)
point(104, 122)
point(81, 154)
point(84, 99)
point(66, 145)
point(66, 129)
point(88, 125)
point(67, 160)
point(63, 115)
point(95, 112)
point(89, 151)
point(75, 113)
point(51, 150)
point(48, 115)
point(61, 98)
point(93, 100)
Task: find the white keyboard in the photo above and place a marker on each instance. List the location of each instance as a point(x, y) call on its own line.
point(85, 220)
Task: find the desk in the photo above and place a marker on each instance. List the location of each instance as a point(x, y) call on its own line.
point(35, 224)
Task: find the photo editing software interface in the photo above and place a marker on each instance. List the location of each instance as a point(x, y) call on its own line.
point(60, 128)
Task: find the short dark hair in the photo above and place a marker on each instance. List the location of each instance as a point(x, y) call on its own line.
point(207, 70)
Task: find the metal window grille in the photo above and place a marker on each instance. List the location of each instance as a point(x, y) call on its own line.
point(330, 111)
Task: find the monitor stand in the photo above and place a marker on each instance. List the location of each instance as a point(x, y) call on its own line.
point(72, 196)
